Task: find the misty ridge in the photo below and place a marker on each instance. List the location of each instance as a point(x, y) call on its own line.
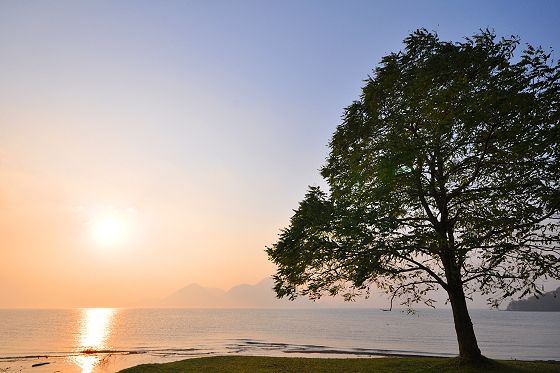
point(260, 295)
point(548, 302)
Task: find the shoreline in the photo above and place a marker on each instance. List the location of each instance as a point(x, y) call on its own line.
point(105, 361)
point(109, 361)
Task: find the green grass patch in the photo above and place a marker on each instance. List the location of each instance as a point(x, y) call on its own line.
point(266, 364)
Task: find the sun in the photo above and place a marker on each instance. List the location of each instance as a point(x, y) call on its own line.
point(110, 231)
point(112, 227)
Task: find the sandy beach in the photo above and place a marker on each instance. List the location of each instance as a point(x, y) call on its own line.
point(111, 362)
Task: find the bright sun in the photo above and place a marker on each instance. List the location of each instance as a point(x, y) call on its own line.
point(112, 227)
point(110, 231)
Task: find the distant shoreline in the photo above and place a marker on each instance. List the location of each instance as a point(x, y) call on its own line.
point(547, 302)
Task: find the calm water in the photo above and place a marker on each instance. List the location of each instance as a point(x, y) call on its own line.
point(106, 340)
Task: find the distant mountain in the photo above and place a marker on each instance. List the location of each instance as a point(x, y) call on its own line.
point(194, 296)
point(260, 295)
point(547, 302)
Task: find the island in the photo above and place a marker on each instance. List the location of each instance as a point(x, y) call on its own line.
point(549, 301)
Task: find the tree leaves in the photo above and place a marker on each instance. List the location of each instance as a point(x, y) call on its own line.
point(446, 170)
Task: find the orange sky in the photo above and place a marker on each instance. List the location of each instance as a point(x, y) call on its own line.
point(196, 126)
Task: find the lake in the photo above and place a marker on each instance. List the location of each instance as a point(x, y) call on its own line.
point(104, 340)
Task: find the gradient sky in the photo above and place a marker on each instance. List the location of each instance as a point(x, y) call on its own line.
point(195, 126)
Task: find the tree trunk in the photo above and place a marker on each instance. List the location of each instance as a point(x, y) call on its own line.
point(468, 346)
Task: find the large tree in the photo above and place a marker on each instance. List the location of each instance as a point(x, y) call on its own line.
point(444, 174)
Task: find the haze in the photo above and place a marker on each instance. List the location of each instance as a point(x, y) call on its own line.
point(148, 145)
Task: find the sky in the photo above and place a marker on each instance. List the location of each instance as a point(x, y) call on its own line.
point(147, 145)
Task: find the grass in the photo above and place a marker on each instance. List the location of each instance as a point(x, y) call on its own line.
point(265, 364)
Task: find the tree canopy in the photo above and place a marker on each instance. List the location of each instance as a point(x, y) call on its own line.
point(444, 174)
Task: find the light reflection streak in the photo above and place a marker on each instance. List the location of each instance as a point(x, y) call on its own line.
point(96, 325)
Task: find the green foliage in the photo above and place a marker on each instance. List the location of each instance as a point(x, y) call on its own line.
point(444, 174)
point(260, 364)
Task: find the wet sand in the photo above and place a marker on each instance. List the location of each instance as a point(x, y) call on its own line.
point(114, 361)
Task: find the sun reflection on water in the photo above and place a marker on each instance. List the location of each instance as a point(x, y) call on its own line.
point(95, 327)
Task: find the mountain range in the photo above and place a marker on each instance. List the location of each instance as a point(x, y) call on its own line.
point(260, 295)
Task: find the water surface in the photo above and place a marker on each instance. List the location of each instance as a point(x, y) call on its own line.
point(106, 340)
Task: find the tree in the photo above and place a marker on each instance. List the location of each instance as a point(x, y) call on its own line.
point(444, 174)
